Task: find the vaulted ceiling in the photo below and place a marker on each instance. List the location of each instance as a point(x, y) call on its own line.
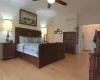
point(74, 6)
point(84, 6)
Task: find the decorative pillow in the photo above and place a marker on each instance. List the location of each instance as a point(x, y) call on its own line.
point(37, 40)
point(29, 40)
point(34, 40)
point(22, 39)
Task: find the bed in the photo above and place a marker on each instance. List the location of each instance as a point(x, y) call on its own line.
point(39, 54)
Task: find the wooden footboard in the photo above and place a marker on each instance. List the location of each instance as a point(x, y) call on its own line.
point(50, 52)
point(32, 59)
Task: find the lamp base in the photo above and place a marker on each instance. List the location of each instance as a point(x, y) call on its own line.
point(7, 37)
point(45, 40)
point(7, 40)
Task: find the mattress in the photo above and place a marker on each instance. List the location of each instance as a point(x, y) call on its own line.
point(28, 48)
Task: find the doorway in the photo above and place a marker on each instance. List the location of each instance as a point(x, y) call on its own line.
point(88, 32)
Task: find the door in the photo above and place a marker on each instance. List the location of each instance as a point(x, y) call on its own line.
point(69, 39)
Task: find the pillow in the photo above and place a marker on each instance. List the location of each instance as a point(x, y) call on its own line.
point(29, 40)
point(22, 39)
point(34, 40)
point(37, 40)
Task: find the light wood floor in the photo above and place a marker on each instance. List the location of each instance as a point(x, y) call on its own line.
point(73, 67)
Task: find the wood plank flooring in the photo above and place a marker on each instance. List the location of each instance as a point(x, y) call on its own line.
point(73, 67)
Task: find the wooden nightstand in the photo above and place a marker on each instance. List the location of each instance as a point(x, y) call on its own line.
point(8, 50)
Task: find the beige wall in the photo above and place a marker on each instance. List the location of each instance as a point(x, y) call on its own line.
point(65, 23)
point(49, 34)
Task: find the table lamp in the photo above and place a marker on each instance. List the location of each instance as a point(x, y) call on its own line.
point(7, 27)
point(44, 32)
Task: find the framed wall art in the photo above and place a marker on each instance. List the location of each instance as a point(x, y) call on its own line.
point(27, 18)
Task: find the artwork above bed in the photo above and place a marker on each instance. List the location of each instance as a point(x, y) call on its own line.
point(27, 18)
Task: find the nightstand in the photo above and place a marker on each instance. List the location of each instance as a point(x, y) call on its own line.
point(8, 50)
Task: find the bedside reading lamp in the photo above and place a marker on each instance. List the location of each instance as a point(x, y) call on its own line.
point(44, 32)
point(7, 27)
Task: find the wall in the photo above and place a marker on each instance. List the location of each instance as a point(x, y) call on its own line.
point(65, 23)
point(89, 19)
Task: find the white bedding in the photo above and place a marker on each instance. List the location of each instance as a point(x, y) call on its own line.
point(28, 48)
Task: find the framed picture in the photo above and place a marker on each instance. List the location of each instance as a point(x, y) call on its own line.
point(27, 18)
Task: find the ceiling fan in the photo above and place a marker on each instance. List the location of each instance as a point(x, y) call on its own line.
point(50, 2)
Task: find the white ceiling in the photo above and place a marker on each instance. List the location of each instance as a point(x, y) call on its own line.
point(74, 6)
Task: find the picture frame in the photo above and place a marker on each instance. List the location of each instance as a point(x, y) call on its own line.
point(27, 18)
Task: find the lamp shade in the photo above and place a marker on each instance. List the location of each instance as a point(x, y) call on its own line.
point(7, 24)
point(51, 1)
point(44, 30)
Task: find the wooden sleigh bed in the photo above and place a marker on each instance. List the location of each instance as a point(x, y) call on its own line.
point(48, 52)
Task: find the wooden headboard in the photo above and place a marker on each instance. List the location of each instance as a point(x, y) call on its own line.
point(26, 33)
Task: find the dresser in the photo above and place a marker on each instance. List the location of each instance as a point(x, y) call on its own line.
point(7, 51)
point(69, 40)
point(94, 69)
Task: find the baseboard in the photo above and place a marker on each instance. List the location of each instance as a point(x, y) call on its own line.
point(86, 50)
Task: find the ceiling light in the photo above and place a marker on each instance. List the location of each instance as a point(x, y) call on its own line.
point(51, 1)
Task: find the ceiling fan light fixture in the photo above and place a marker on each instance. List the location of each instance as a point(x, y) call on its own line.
point(51, 1)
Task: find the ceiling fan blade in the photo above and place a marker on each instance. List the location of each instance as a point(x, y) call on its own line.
point(61, 2)
point(36, 0)
point(49, 5)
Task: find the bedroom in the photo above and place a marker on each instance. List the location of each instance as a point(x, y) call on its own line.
point(65, 18)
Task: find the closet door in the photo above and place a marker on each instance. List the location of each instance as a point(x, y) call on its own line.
point(69, 40)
